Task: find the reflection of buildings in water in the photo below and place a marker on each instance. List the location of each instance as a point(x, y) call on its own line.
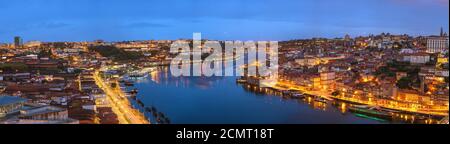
point(202, 83)
point(141, 80)
point(261, 91)
point(320, 106)
point(166, 72)
point(341, 106)
point(205, 82)
point(155, 77)
point(315, 104)
point(270, 92)
point(163, 75)
point(413, 119)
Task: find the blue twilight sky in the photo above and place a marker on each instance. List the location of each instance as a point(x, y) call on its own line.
point(113, 20)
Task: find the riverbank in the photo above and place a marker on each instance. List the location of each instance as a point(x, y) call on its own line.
point(121, 106)
point(323, 94)
point(220, 100)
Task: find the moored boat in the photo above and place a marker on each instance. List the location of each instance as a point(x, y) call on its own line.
point(148, 109)
point(138, 75)
point(320, 99)
point(371, 111)
point(241, 80)
point(133, 92)
point(298, 95)
point(128, 83)
point(140, 103)
point(286, 93)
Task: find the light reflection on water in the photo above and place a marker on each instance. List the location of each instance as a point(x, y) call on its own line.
point(220, 100)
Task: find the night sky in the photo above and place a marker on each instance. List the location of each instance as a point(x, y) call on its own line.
point(115, 20)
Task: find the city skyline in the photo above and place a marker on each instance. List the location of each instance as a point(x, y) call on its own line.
point(271, 20)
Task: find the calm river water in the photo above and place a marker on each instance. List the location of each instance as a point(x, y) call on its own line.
point(220, 100)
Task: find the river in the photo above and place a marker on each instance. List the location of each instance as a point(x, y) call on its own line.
point(220, 100)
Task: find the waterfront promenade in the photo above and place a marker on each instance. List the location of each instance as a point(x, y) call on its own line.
point(120, 104)
point(374, 102)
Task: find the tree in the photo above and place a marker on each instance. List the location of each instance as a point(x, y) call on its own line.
point(13, 67)
point(78, 71)
point(113, 85)
point(398, 45)
point(45, 53)
point(116, 53)
point(385, 71)
point(3, 51)
point(404, 83)
point(336, 93)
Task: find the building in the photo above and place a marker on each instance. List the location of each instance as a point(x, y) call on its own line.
point(416, 58)
point(45, 113)
point(433, 72)
point(107, 116)
point(14, 76)
point(33, 44)
point(18, 42)
point(443, 34)
point(411, 98)
point(437, 44)
point(328, 80)
point(33, 62)
point(313, 61)
point(400, 75)
point(10, 105)
point(42, 115)
point(442, 59)
point(308, 61)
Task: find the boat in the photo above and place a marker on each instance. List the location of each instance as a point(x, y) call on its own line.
point(371, 111)
point(327, 98)
point(154, 113)
point(320, 99)
point(167, 120)
point(298, 95)
point(133, 92)
point(160, 114)
point(421, 117)
point(378, 108)
point(241, 80)
point(128, 95)
point(286, 92)
point(158, 120)
point(138, 75)
point(148, 109)
point(128, 83)
point(140, 103)
point(362, 106)
point(390, 110)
